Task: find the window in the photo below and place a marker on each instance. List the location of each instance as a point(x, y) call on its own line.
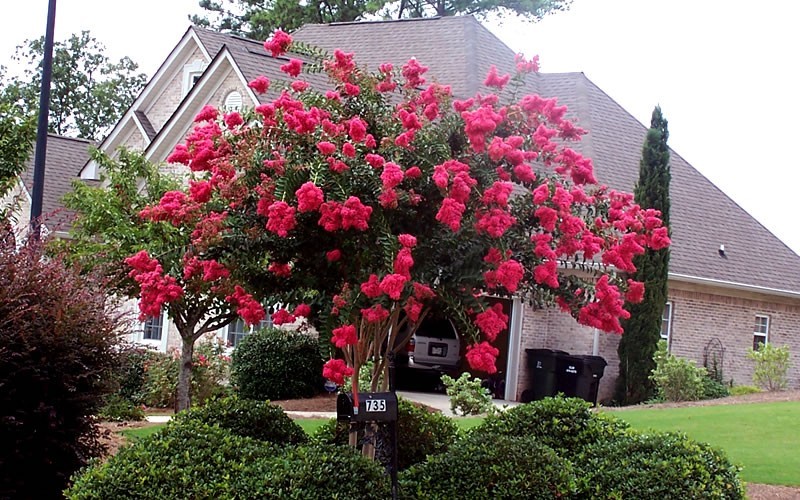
point(233, 102)
point(239, 330)
point(191, 73)
point(760, 331)
point(236, 332)
point(153, 328)
point(666, 322)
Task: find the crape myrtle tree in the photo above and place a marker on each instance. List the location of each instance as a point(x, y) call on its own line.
point(643, 328)
point(257, 18)
point(383, 197)
point(118, 233)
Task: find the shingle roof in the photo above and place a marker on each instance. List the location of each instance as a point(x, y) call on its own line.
point(459, 51)
point(64, 158)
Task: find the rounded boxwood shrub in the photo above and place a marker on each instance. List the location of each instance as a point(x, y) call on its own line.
point(187, 460)
point(246, 417)
point(276, 364)
point(420, 433)
point(484, 466)
point(662, 465)
point(564, 424)
point(315, 471)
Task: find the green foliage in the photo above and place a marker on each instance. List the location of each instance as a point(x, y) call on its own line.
point(364, 378)
point(564, 424)
point(485, 466)
point(258, 18)
point(677, 379)
point(89, 92)
point(277, 364)
point(244, 417)
point(467, 396)
point(17, 132)
point(420, 433)
point(741, 390)
point(771, 366)
point(57, 335)
point(210, 373)
point(713, 389)
point(119, 409)
point(315, 471)
point(656, 466)
point(189, 460)
point(131, 373)
point(642, 331)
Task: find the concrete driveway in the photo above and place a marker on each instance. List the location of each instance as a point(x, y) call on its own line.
point(442, 402)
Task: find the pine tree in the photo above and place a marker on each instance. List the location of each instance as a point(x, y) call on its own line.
point(642, 330)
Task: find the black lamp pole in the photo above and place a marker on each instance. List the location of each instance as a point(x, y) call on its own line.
point(41, 133)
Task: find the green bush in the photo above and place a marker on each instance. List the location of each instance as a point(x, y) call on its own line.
point(248, 418)
point(315, 471)
point(771, 366)
point(656, 466)
point(677, 379)
point(210, 374)
point(713, 389)
point(276, 364)
point(467, 396)
point(58, 335)
point(420, 433)
point(131, 372)
point(119, 409)
point(485, 466)
point(564, 424)
point(188, 460)
point(741, 390)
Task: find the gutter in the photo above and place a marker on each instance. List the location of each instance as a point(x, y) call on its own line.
point(734, 286)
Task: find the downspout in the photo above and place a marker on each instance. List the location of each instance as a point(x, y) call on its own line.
point(514, 346)
point(596, 343)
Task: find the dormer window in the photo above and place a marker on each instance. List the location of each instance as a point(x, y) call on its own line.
point(191, 74)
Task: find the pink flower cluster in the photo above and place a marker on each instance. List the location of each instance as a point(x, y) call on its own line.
point(336, 370)
point(156, 288)
point(246, 306)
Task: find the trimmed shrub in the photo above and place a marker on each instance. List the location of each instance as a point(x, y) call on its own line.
point(771, 366)
point(656, 466)
point(713, 389)
point(564, 424)
point(420, 433)
point(485, 466)
point(677, 379)
point(276, 364)
point(741, 390)
point(248, 418)
point(119, 409)
point(467, 396)
point(130, 374)
point(58, 330)
point(189, 460)
point(315, 471)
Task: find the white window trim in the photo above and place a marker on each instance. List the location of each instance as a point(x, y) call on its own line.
point(190, 71)
point(160, 344)
point(669, 323)
point(759, 334)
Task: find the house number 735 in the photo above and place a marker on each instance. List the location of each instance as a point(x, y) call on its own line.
point(376, 405)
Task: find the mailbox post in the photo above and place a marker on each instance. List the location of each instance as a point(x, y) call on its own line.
point(374, 407)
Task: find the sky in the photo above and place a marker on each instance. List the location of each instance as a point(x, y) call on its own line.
point(723, 71)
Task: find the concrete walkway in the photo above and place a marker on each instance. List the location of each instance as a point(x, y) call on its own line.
point(442, 402)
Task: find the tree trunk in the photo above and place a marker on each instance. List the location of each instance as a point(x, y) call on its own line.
point(185, 375)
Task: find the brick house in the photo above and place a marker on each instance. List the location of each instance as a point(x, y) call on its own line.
point(732, 283)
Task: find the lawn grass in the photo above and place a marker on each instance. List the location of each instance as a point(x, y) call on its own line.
point(310, 425)
point(141, 432)
point(762, 437)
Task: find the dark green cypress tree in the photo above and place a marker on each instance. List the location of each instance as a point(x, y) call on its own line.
point(642, 330)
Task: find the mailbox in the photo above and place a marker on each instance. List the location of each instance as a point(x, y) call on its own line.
point(372, 407)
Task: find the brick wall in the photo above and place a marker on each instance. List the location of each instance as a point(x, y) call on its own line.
point(700, 316)
point(167, 102)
